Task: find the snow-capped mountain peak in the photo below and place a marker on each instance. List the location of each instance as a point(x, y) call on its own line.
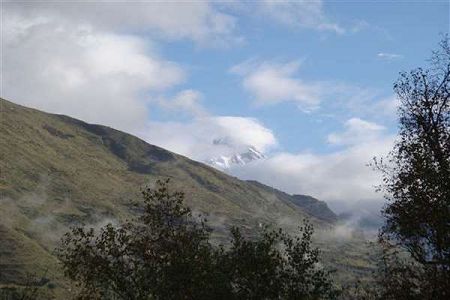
point(238, 159)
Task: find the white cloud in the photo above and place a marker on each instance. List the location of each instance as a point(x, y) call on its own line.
point(195, 20)
point(367, 103)
point(188, 101)
point(389, 56)
point(195, 139)
point(78, 70)
point(272, 83)
point(307, 14)
point(97, 60)
point(337, 177)
point(357, 131)
point(387, 106)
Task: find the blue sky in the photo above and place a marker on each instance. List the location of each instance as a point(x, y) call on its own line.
point(408, 29)
point(309, 83)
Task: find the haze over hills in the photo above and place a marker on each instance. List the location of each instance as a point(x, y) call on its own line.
point(57, 171)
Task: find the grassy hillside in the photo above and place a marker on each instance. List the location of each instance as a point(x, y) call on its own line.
point(57, 171)
point(312, 206)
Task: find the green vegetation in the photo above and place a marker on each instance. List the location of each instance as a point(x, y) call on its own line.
point(166, 253)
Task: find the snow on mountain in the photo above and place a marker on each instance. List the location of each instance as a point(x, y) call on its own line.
point(238, 159)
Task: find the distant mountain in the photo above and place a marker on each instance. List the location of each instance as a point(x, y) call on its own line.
point(239, 159)
point(312, 206)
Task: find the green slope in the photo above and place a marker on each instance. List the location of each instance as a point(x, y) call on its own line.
point(312, 206)
point(57, 171)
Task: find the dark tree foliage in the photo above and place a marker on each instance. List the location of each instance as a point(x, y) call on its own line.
point(258, 269)
point(396, 278)
point(166, 253)
point(417, 178)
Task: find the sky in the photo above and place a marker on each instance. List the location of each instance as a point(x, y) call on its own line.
point(308, 83)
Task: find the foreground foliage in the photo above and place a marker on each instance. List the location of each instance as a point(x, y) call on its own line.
point(417, 184)
point(398, 277)
point(166, 253)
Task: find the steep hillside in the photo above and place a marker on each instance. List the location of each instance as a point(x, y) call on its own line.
point(312, 206)
point(56, 171)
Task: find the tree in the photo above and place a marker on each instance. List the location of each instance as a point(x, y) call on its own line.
point(416, 177)
point(166, 253)
point(258, 269)
point(396, 278)
point(163, 254)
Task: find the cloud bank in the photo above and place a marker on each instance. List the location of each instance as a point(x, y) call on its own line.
point(198, 139)
point(339, 176)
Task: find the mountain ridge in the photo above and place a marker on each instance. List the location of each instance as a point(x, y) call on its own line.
point(57, 171)
point(311, 205)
